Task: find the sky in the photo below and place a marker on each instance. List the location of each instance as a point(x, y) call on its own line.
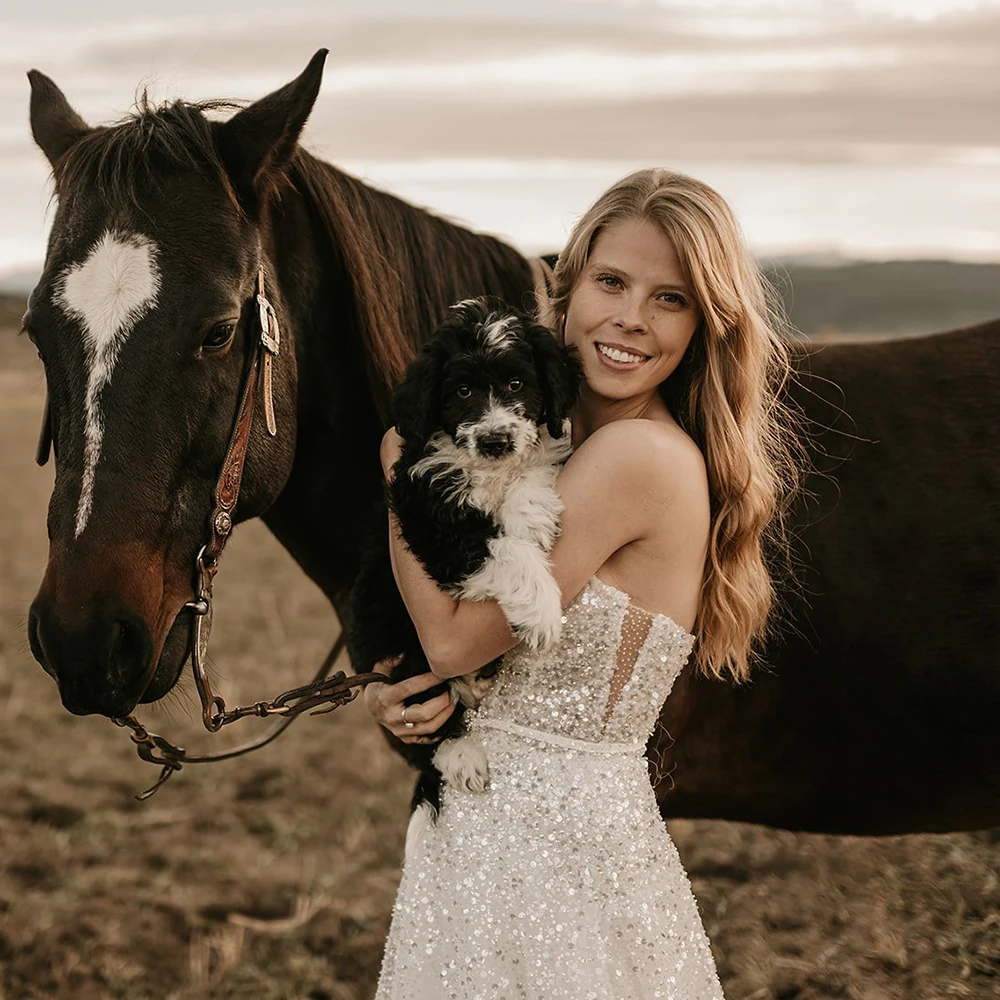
point(866, 128)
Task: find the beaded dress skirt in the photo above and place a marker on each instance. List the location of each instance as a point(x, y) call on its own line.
point(560, 880)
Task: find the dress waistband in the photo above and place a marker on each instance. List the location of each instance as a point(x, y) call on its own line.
point(588, 746)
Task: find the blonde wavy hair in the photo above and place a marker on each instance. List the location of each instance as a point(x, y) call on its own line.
point(726, 394)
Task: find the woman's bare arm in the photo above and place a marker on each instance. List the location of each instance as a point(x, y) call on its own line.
point(617, 485)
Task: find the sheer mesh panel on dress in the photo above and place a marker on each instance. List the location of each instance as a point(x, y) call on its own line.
point(635, 629)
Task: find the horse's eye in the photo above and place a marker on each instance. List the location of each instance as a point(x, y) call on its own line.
point(514, 384)
point(30, 334)
point(218, 337)
point(464, 391)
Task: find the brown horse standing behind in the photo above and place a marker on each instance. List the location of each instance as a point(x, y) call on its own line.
point(878, 712)
point(358, 279)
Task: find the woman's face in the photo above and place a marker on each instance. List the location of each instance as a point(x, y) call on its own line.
point(631, 313)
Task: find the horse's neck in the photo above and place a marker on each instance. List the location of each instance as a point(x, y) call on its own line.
point(336, 477)
point(395, 268)
point(335, 467)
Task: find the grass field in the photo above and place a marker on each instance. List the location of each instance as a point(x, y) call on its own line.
point(273, 876)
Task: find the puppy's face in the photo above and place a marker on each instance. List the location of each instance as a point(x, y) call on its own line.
point(490, 378)
point(491, 401)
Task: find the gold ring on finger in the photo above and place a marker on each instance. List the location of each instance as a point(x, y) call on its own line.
point(409, 725)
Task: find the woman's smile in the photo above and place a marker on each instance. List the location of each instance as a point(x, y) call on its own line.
point(620, 358)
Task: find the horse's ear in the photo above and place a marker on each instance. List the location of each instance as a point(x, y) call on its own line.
point(560, 374)
point(261, 138)
point(54, 124)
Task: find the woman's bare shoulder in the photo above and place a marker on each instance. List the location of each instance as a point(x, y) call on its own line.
point(648, 449)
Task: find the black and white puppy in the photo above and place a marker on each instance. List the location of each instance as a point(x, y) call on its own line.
point(483, 412)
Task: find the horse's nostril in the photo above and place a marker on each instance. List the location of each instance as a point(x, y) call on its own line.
point(119, 635)
point(117, 638)
point(36, 644)
point(126, 649)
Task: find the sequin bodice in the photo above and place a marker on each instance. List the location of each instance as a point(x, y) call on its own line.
point(606, 679)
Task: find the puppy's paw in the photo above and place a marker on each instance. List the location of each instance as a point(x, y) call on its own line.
point(421, 820)
point(463, 764)
point(542, 628)
point(472, 688)
point(539, 641)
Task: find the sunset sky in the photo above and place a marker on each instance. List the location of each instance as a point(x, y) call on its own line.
point(866, 128)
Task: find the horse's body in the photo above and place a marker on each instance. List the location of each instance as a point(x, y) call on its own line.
point(881, 711)
point(877, 715)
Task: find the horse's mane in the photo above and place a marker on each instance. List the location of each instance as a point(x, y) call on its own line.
point(125, 160)
point(406, 265)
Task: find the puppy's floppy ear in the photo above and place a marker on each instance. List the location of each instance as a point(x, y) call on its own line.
point(416, 401)
point(559, 374)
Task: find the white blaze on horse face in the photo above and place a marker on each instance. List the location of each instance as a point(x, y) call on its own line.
point(114, 288)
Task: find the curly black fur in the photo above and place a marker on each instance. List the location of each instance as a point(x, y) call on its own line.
point(485, 355)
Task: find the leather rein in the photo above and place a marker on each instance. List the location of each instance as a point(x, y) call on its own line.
point(324, 690)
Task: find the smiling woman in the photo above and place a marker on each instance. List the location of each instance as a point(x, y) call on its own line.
point(671, 315)
point(682, 464)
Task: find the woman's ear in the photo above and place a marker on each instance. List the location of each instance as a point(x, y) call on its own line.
point(559, 374)
point(415, 403)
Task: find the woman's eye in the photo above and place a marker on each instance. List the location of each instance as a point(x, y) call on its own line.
point(672, 299)
point(464, 391)
point(611, 280)
point(218, 337)
point(514, 384)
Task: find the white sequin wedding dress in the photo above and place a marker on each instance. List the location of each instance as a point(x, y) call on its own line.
point(560, 880)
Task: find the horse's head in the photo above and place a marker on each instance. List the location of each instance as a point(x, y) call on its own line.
point(145, 319)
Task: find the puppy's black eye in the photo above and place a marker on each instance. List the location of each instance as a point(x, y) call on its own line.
point(464, 391)
point(514, 384)
point(218, 337)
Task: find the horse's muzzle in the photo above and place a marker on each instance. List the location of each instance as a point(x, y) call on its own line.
point(101, 662)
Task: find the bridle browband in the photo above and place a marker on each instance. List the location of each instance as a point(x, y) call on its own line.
point(323, 690)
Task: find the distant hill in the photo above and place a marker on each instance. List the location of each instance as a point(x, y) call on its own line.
point(821, 297)
point(891, 297)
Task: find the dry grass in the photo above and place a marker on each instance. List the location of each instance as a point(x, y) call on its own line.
point(273, 876)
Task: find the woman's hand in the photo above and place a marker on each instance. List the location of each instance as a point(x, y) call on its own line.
point(385, 702)
point(392, 446)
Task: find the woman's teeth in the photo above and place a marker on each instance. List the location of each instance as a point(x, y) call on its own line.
point(616, 355)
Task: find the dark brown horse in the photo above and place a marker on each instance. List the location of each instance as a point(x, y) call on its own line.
point(878, 712)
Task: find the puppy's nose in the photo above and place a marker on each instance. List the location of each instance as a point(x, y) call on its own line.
point(495, 445)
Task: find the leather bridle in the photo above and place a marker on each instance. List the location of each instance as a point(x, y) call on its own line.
point(323, 690)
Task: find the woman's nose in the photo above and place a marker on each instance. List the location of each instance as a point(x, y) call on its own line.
point(630, 315)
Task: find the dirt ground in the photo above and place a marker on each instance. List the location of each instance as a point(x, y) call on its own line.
point(272, 877)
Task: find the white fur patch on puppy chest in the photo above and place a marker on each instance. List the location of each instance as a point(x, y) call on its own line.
point(108, 293)
point(531, 508)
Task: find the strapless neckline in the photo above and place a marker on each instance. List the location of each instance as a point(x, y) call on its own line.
point(607, 587)
point(603, 682)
